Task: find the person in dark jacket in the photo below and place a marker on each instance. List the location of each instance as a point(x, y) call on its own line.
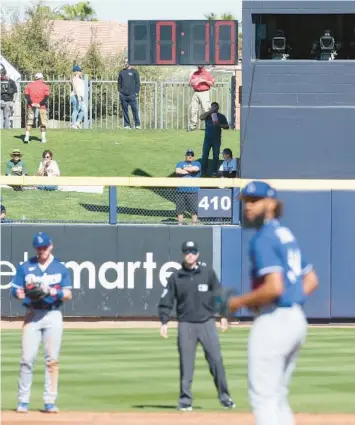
point(194, 288)
point(128, 87)
point(8, 92)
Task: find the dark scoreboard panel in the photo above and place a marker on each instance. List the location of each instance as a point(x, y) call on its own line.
point(183, 42)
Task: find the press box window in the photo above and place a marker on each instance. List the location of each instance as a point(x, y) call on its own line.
point(304, 36)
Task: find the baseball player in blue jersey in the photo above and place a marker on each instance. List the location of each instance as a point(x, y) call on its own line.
point(282, 279)
point(43, 283)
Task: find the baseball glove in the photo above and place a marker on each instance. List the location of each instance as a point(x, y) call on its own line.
point(35, 290)
point(221, 300)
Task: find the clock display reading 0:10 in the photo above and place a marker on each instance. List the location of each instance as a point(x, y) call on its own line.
point(183, 42)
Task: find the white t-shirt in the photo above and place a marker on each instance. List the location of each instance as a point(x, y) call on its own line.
point(52, 169)
point(229, 166)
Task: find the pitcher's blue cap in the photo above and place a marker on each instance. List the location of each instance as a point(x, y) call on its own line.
point(258, 189)
point(41, 239)
point(77, 68)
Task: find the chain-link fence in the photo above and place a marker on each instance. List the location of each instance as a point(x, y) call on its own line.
point(93, 204)
point(162, 105)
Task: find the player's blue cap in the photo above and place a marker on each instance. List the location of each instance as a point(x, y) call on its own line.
point(41, 239)
point(258, 189)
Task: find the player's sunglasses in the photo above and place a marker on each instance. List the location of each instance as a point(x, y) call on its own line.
point(190, 251)
point(47, 156)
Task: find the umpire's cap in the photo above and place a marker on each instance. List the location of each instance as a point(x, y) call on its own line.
point(41, 239)
point(187, 245)
point(258, 189)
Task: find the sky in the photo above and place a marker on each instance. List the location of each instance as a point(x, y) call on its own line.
point(124, 10)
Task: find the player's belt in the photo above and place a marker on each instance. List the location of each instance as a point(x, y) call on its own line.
point(46, 307)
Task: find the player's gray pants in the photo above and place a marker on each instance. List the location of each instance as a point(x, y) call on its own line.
point(189, 334)
point(46, 326)
point(274, 343)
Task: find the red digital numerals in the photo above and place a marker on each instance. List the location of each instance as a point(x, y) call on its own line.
point(231, 60)
point(172, 43)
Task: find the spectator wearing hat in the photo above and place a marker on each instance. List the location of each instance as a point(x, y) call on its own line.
point(201, 82)
point(77, 97)
point(37, 94)
point(48, 168)
point(230, 166)
point(215, 122)
point(8, 93)
point(16, 167)
point(187, 197)
point(129, 87)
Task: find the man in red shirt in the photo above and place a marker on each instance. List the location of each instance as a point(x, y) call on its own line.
point(201, 82)
point(37, 94)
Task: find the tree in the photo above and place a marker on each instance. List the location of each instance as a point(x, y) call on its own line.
point(29, 47)
point(224, 17)
point(82, 11)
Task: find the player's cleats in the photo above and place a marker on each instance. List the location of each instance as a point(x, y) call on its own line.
point(184, 408)
point(51, 408)
point(22, 408)
point(229, 404)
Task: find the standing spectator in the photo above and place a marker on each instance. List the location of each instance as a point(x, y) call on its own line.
point(8, 92)
point(2, 213)
point(230, 165)
point(48, 168)
point(77, 97)
point(213, 136)
point(37, 95)
point(201, 82)
point(128, 87)
point(16, 167)
point(186, 197)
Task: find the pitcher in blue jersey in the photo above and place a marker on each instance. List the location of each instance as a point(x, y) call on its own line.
point(281, 281)
point(43, 319)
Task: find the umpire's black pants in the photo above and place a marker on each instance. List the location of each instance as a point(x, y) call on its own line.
point(189, 334)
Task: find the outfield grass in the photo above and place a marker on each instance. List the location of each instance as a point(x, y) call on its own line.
point(107, 370)
point(103, 153)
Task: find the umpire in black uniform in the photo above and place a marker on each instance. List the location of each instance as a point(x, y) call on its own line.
point(194, 287)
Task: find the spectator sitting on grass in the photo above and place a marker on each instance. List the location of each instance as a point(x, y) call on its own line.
point(230, 165)
point(48, 168)
point(16, 167)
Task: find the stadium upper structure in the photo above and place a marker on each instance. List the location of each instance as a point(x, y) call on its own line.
point(198, 42)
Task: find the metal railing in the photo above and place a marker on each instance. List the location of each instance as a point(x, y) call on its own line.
point(136, 205)
point(162, 105)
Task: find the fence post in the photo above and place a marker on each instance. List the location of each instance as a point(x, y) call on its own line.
point(236, 206)
point(156, 106)
point(112, 200)
point(86, 102)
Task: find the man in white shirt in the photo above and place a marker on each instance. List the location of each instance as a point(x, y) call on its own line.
point(230, 165)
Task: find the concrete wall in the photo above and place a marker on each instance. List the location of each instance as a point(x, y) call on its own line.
point(297, 116)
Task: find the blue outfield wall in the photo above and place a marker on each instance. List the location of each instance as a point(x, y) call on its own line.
point(323, 222)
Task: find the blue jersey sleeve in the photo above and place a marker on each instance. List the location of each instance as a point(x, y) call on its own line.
point(197, 164)
point(265, 257)
point(66, 280)
point(18, 282)
point(19, 279)
point(180, 165)
point(306, 266)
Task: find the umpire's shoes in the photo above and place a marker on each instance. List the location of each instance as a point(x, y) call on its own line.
point(22, 408)
point(184, 408)
point(51, 408)
point(229, 404)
